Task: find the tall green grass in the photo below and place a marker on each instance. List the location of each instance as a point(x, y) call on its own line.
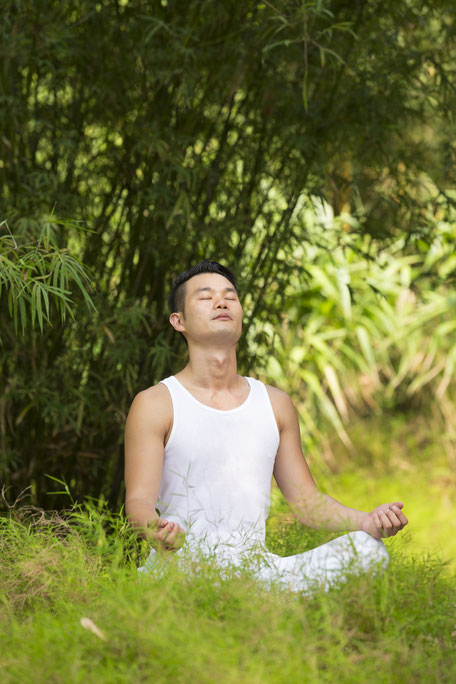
point(75, 610)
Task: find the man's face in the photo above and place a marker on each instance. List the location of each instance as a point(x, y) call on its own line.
point(213, 312)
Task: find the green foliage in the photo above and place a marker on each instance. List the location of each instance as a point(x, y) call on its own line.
point(35, 273)
point(174, 133)
point(73, 610)
point(369, 332)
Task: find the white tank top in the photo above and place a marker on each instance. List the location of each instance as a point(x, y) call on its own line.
point(218, 467)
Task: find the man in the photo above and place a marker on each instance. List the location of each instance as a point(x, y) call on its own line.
point(201, 447)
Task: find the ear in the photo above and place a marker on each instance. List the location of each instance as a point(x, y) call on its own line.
point(176, 321)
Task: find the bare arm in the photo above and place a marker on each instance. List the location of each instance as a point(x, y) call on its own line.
point(145, 430)
point(312, 507)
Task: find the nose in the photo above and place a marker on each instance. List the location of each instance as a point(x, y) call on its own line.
point(221, 303)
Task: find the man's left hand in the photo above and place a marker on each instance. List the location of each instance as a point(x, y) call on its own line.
point(385, 520)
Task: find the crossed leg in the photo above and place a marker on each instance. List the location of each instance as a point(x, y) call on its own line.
point(327, 564)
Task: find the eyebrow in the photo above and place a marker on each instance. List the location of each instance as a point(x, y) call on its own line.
point(211, 289)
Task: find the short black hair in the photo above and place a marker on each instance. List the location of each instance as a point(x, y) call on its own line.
point(176, 297)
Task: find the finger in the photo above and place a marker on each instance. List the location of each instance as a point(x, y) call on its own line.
point(400, 515)
point(172, 534)
point(378, 523)
point(395, 522)
point(165, 531)
point(392, 517)
point(385, 522)
point(391, 524)
point(399, 504)
point(175, 536)
point(168, 536)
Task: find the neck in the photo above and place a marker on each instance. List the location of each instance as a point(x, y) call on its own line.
point(212, 369)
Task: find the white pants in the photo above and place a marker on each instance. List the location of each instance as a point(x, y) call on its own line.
point(322, 567)
point(326, 565)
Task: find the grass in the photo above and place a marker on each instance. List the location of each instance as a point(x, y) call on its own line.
point(397, 627)
point(399, 457)
point(75, 610)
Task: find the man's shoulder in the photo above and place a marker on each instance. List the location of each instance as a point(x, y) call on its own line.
point(152, 394)
point(281, 403)
point(153, 402)
point(276, 394)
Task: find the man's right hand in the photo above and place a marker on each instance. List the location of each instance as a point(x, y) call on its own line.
point(167, 536)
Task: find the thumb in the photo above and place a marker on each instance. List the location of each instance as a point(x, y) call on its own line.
point(399, 504)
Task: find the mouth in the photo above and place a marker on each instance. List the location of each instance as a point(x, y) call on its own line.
point(224, 317)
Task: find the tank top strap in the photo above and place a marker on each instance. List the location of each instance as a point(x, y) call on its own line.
point(263, 401)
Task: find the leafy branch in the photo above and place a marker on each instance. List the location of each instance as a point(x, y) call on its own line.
point(34, 274)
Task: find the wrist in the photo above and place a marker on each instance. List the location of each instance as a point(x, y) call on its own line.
point(361, 521)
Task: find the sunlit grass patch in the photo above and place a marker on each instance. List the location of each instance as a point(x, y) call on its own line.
point(405, 458)
point(209, 625)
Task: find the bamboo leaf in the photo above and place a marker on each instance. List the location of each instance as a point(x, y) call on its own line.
point(334, 386)
point(23, 313)
point(366, 347)
point(39, 310)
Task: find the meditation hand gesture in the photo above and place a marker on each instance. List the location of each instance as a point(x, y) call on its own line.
point(168, 536)
point(384, 521)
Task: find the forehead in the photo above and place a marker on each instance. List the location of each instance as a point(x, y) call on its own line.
point(215, 281)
